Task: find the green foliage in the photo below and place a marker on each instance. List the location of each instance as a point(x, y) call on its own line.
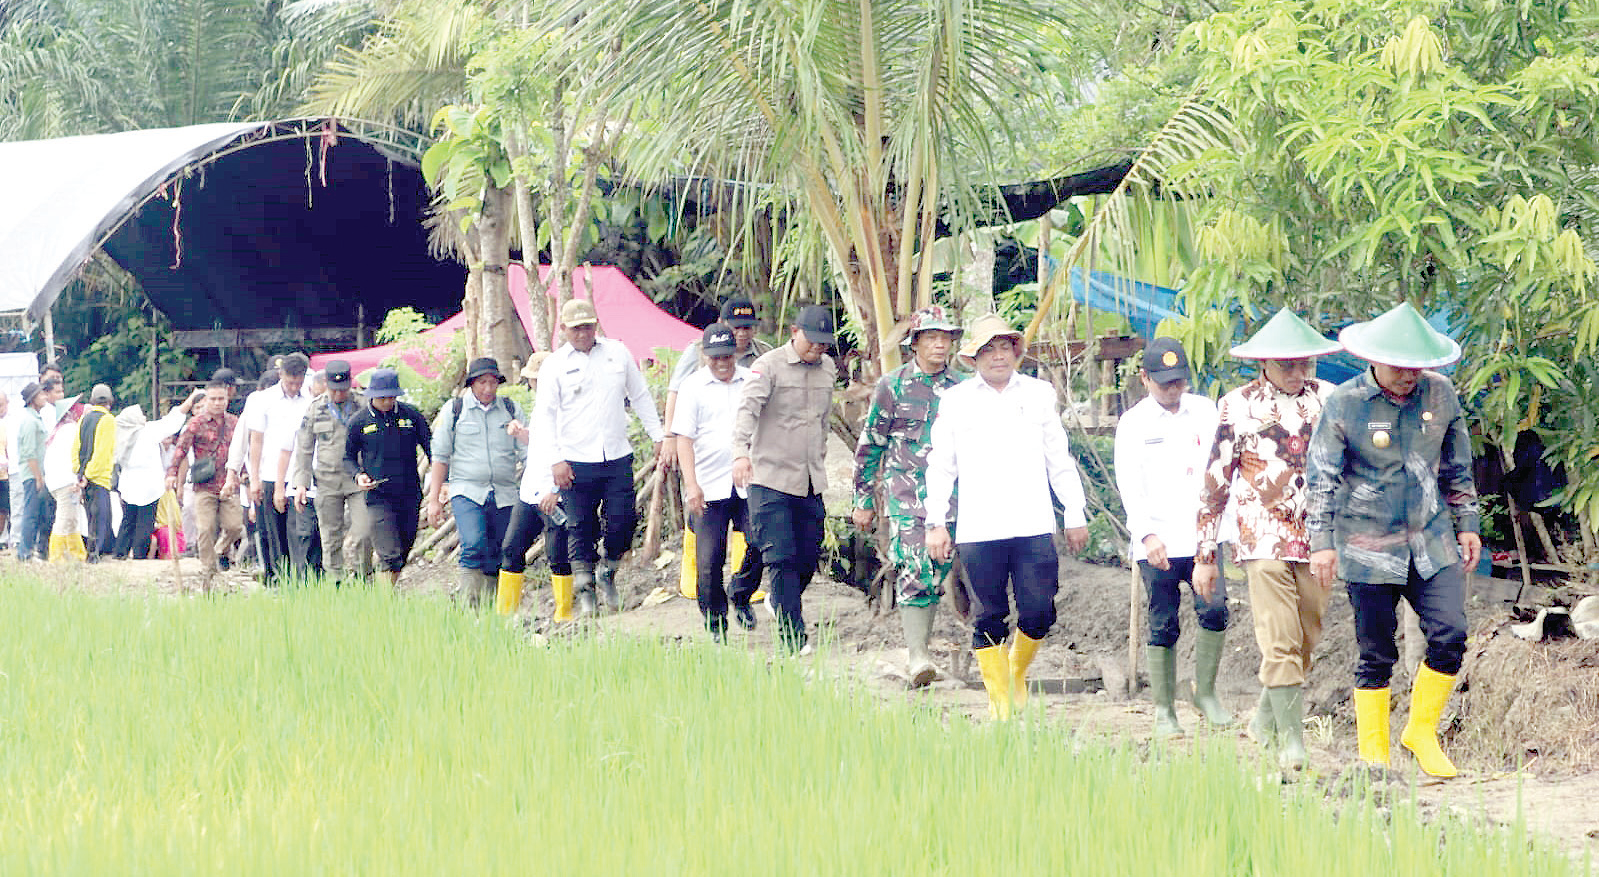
point(1107, 536)
point(404, 327)
point(120, 359)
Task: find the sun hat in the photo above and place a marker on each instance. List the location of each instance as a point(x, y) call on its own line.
point(534, 363)
point(1165, 360)
point(986, 329)
point(385, 382)
point(718, 340)
point(1286, 336)
point(1401, 338)
point(817, 324)
point(578, 312)
point(929, 319)
point(483, 365)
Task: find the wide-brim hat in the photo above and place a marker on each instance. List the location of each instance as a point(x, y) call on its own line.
point(986, 329)
point(384, 383)
point(928, 319)
point(1286, 336)
point(483, 365)
point(1401, 338)
point(534, 363)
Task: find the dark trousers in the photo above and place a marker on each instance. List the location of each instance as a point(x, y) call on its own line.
point(101, 538)
point(391, 525)
point(274, 527)
point(1025, 565)
point(527, 522)
point(482, 527)
point(1440, 604)
point(133, 536)
point(304, 537)
point(34, 528)
point(47, 523)
point(710, 555)
point(600, 491)
point(787, 531)
point(1164, 587)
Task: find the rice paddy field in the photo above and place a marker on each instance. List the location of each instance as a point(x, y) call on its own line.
point(318, 731)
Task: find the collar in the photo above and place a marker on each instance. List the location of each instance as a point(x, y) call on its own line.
point(1013, 383)
point(1271, 388)
point(472, 399)
point(1370, 389)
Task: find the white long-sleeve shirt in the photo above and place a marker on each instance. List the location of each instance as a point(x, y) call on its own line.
point(1006, 449)
point(144, 473)
point(580, 402)
point(1160, 471)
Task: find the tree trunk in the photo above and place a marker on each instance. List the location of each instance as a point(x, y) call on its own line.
point(498, 326)
point(527, 228)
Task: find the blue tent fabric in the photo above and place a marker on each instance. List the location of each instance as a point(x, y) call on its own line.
point(1145, 305)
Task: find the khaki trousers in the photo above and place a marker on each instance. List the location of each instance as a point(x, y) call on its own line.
point(218, 522)
point(1287, 605)
point(341, 516)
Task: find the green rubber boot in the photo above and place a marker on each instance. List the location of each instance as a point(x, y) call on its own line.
point(918, 624)
point(1162, 680)
point(1288, 707)
point(1207, 658)
point(1263, 727)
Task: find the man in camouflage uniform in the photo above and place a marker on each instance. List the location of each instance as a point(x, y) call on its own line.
point(893, 450)
point(319, 456)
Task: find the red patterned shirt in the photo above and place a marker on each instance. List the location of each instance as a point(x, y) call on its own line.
point(207, 436)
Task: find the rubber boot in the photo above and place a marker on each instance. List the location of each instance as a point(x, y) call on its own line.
point(1371, 724)
point(1288, 708)
point(717, 625)
point(561, 587)
point(736, 546)
point(1022, 650)
point(994, 662)
point(509, 592)
point(1207, 658)
point(65, 548)
point(605, 576)
point(583, 584)
point(688, 575)
point(1162, 684)
point(918, 624)
point(1428, 696)
point(1263, 727)
point(470, 583)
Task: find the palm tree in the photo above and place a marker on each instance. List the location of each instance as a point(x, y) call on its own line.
point(864, 125)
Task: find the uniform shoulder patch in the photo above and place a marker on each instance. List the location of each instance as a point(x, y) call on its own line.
point(369, 429)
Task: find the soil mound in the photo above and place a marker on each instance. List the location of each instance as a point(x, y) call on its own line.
point(1531, 705)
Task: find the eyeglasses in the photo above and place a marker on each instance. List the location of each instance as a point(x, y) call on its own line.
point(1305, 366)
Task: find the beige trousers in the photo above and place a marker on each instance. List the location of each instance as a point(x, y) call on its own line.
point(218, 523)
point(1287, 605)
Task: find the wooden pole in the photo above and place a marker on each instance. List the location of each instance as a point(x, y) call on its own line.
point(49, 337)
point(1521, 547)
point(155, 373)
point(1137, 583)
point(652, 530)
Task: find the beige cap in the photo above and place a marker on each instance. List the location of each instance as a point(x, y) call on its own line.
point(578, 312)
point(986, 329)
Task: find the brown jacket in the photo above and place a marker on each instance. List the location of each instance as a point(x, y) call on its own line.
point(781, 424)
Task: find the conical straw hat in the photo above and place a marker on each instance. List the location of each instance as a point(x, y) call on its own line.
point(1286, 336)
point(1400, 338)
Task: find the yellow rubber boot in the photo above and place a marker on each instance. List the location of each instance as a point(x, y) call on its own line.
point(688, 577)
point(509, 595)
point(994, 662)
point(1427, 699)
point(736, 546)
point(65, 548)
point(1371, 724)
point(562, 588)
point(1022, 650)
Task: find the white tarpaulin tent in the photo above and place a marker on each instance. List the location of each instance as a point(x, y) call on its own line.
point(66, 195)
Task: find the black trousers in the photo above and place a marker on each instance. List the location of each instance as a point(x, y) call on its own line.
point(97, 503)
point(527, 522)
point(1440, 603)
point(1164, 587)
point(274, 529)
point(304, 538)
point(392, 520)
point(1026, 565)
point(710, 555)
point(787, 531)
point(600, 492)
point(133, 536)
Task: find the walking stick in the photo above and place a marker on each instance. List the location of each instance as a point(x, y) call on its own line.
point(174, 527)
point(1132, 632)
point(652, 529)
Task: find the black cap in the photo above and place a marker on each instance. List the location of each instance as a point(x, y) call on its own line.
point(817, 324)
point(337, 372)
point(739, 312)
point(483, 365)
point(1165, 361)
point(718, 340)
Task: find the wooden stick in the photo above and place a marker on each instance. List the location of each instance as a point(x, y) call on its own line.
point(1521, 547)
point(1132, 631)
point(652, 529)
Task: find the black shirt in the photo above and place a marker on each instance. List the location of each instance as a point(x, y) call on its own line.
point(383, 445)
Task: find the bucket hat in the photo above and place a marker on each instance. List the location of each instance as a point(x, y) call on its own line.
point(1286, 336)
point(534, 363)
point(483, 365)
point(986, 329)
point(928, 319)
point(385, 382)
point(1401, 338)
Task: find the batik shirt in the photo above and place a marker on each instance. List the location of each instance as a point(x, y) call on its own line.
point(895, 438)
point(1258, 460)
point(1390, 480)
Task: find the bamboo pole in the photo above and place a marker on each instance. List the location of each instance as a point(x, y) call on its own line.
point(652, 527)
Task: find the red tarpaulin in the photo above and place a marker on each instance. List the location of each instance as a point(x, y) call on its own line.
point(625, 312)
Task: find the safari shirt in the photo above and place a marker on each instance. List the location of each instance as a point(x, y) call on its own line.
point(1390, 480)
point(319, 444)
point(781, 424)
point(1258, 460)
point(895, 438)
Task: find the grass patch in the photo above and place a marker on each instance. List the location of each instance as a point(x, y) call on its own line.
point(320, 731)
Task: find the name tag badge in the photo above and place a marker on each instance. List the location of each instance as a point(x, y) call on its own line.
point(404, 423)
point(1379, 425)
point(369, 429)
point(1155, 441)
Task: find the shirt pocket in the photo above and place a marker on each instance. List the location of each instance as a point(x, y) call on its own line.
point(910, 420)
point(791, 404)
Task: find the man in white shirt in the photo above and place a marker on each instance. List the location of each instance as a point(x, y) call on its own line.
point(703, 422)
point(241, 471)
point(585, 389)
point(1162, 446)
point(272, 434)
point(998, 439)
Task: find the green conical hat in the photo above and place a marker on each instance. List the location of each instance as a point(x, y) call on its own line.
point(1400, 338)
point(1286, 336)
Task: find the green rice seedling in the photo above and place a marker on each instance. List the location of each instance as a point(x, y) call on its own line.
point(322, 731)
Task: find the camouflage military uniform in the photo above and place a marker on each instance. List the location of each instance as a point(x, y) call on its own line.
point(893, 446)
point(340, 507)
